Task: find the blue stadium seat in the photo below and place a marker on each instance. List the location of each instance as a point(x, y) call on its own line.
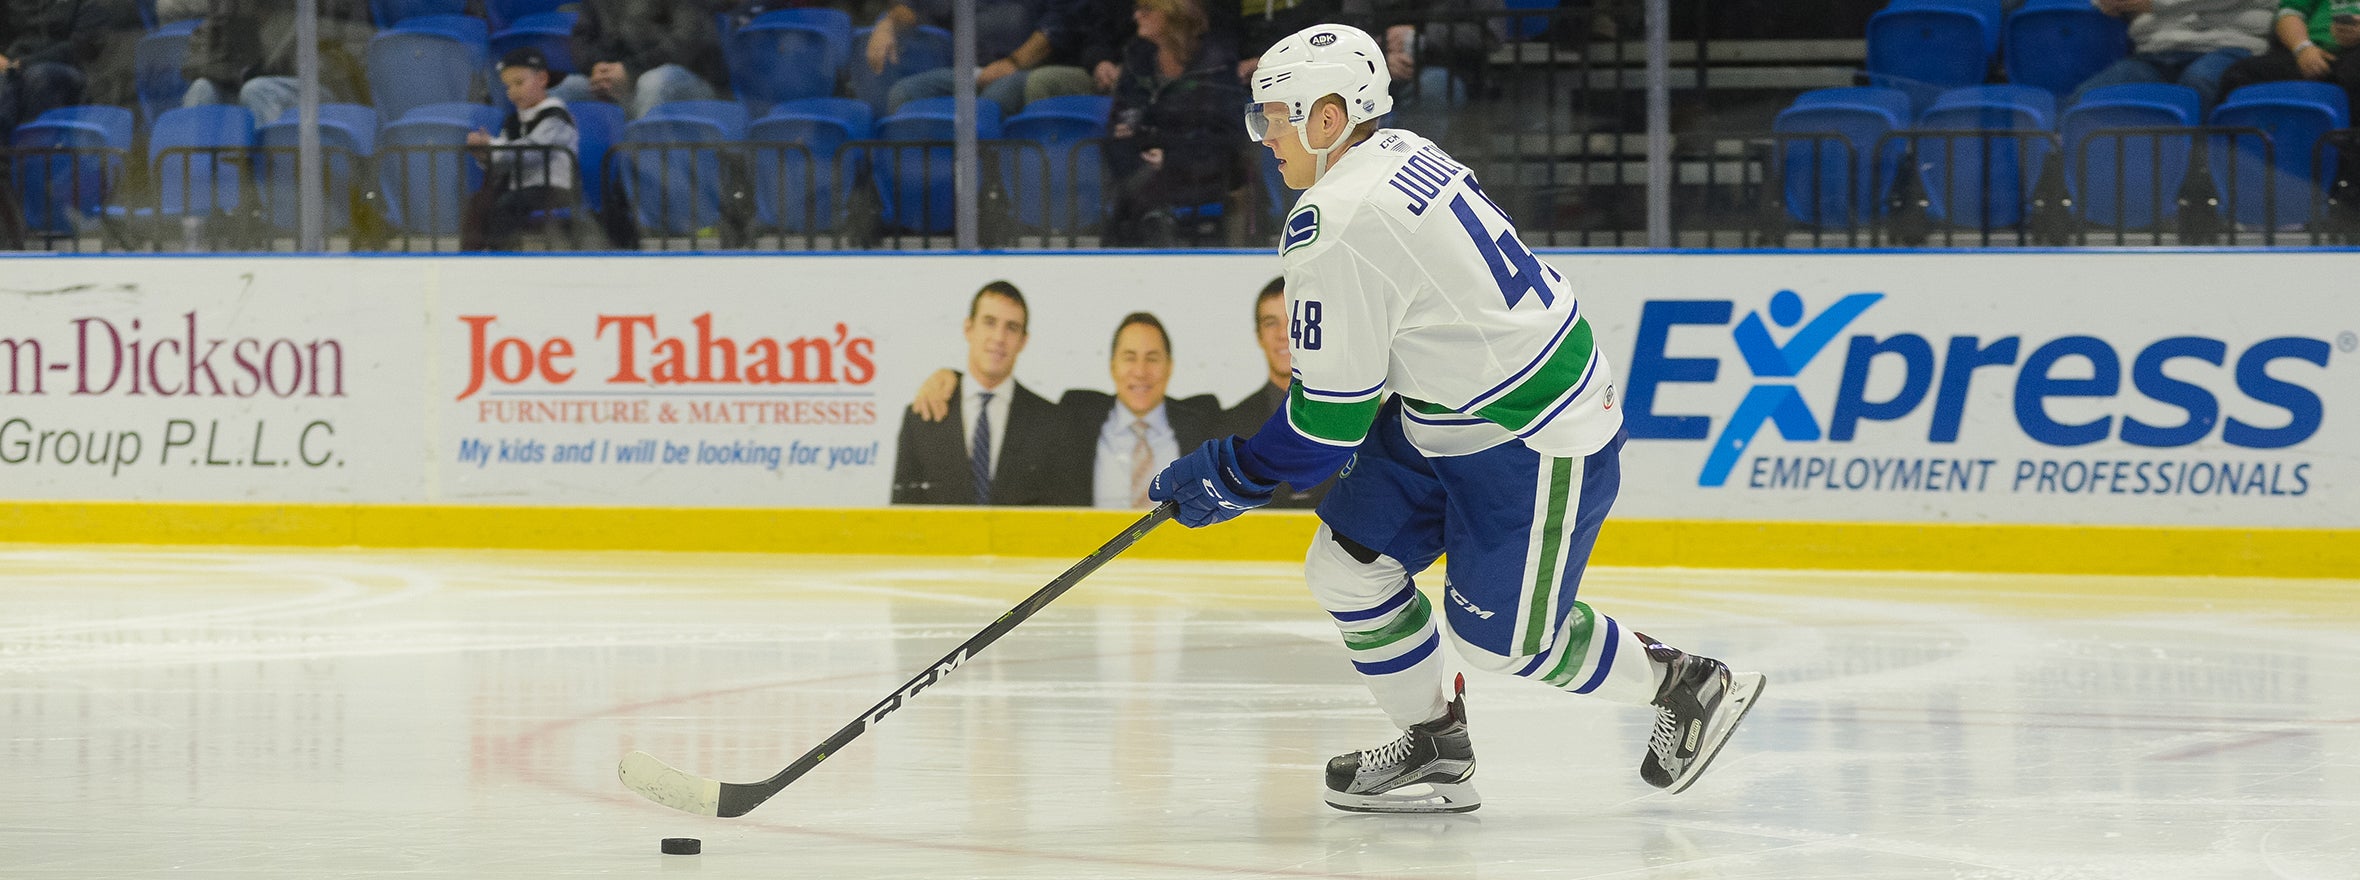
point(550, 32)
point(468, 29)
point(600, 125)
point(798, 164)
point(156, 61)
point(113, 123)
point(70, 164)
point(731, 116)
point(2128, 182)
point(916, 182)
point(1991, 14)
point(1065, 140)
point(505, 14)
point(1926, 46)
point(772, 61)
point(987, 113)
point(836, 23)
point(191, 181)
point(348, 137)
point(467, 113)
point(923, 48)
point(1098, 106)
point(2294, 115)
point(1833, 182)
point(1982, 182)
point(425, 174)
point(672, 167)
point(2055, 44)
point(391, 12)
point(411, 69)
point(1528, 27)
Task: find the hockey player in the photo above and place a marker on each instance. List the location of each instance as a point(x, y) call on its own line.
point(1451, 376)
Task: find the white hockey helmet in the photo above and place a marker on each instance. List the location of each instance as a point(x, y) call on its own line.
point(1313, 63)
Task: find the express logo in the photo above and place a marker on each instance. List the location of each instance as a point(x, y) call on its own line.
point(1888, 378)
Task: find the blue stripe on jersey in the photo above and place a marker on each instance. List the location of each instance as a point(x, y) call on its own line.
point(1481, 400)
point(1382, 609)
point(1362, 394)
point(1529, 668)
point(1441, 418)
point(1405, 661)
point(1605, 660)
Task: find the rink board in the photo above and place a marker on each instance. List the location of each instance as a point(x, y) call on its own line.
point(2023, 411)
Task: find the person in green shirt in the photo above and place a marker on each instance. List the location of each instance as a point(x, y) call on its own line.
point(2314, 39)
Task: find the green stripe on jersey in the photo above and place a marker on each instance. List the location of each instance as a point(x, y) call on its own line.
point(1332, 422)
point(1544, 580)
point(1523, 404)
point(1583, 622)
point(1409, 622)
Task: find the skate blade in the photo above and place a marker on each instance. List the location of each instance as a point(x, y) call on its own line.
point(1446, 797)
point(1745, 688)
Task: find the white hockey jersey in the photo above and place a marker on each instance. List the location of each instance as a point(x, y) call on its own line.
point(1403, 277)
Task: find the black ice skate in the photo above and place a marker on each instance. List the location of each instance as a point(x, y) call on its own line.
point(1436, 755)
point(1696, 708)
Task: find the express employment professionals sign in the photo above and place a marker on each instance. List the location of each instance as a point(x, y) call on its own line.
point(2117, 388)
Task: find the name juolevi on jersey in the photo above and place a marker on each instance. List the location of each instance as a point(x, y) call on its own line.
point(1403, 277)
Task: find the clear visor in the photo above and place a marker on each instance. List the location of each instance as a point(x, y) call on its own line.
point(1259, 123)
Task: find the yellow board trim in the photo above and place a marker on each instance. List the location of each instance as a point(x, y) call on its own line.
point(1264, 535)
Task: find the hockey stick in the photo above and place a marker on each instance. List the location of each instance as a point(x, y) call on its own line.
point(664, 784)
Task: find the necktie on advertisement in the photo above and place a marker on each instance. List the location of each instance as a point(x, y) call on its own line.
point(1142, 465)
point(980, 456)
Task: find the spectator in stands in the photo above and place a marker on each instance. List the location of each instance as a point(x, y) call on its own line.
point(1265, 21)
point(1177, 128)
point(642, 53)
point(2190, 42)
point(1433, 61)
point(1087, 37)
point(1086, 40)
point(2316, 39)
point(1010, 41)
point(59, 54)
point(523, 182)
point(245, 50)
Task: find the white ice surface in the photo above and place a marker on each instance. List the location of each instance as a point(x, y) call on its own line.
point(373, 714)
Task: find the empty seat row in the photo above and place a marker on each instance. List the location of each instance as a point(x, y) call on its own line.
point(1925, 46)
point(1980, 150)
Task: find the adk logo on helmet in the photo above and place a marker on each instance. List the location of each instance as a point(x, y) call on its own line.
point(2053, 390)
point(1323, 38)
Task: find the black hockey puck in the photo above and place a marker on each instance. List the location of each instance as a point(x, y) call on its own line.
point(682, 846)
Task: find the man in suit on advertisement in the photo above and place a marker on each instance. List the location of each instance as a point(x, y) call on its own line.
point(1270, 332)
point(999, 439)
point(1134, 432)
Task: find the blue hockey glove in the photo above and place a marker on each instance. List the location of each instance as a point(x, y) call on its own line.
point(1209, 485)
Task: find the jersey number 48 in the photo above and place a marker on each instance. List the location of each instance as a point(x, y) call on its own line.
point(1304, 328)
